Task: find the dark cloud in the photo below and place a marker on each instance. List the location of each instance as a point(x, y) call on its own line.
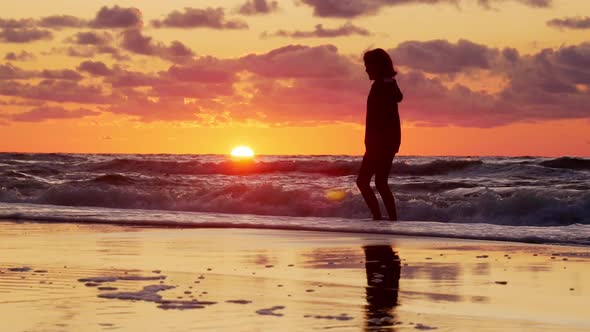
point(127, 79)
point(24, 35)
point(46, 112)
point(57, 91)
point(298, 61)
point(257, 7)
point(441, 56)
point(22, 56)
point(61, 21)
point(95, 68)
point(134, 41)
point(17, 23)
point(570, 23)
point(489, 4)
point(213, 18)
point(537, 3)
point(91, 38)
point(117, 17)
point(61, 74)
point(91, 51)
point(350, 9)
point(346, 29)
point(11, 72)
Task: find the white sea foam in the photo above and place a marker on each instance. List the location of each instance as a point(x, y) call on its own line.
point(572, 234)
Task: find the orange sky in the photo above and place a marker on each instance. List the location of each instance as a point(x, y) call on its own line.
point(477, 81)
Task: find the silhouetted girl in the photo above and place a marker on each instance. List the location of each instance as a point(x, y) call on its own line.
point(382, 132)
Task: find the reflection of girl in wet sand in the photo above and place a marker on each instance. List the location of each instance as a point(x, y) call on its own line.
point(383, 272)
point(382, 133)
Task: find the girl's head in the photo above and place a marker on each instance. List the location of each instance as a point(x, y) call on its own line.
point(378, 64)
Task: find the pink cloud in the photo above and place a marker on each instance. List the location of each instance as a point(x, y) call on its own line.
point(347, 29)
point(22, 56)
point(117, 17)
point(213, 18)
point(45, 112)
point(24, 35)
point(258, 7)
point(134, 41)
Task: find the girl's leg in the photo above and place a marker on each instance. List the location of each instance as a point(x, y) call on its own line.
point(381, 176)
point(363, 182)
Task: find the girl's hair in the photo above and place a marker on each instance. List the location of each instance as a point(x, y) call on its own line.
point(380, 59)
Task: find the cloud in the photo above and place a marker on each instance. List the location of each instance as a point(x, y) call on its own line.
point(213, 18)
point(295, 61)
point(57, 91)
point(61, 21)
point(134, 41)
point(441, 56)
point(127, 79)
point(90, 38)
point(488, 4)
point(46, 112)
point(91, 51)
point(11, 72)
point(207, 69)
point(117, 17)
point(537, 3)
point(22, 56)
point(24, 35)
point(542, 86)
point(347, 29)
point(61, 74)
point(17, 23)
point(157, 109)
point(257, 7)
point(96, 68)
point(351, 9)
point(570, 23)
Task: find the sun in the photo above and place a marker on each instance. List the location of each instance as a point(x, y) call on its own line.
point(242, 152)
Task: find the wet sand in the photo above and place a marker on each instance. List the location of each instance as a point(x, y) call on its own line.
point(74, 277)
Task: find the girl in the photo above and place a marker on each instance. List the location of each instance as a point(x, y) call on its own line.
point(382, 132)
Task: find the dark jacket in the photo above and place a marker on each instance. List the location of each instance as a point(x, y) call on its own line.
point(383, 131)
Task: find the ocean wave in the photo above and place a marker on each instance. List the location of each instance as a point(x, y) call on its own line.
point(507, 206)
point(434, 186)
point(115, 179)
point(42, 157)
point(249, 167)
point(436, 167)
point(567, 163)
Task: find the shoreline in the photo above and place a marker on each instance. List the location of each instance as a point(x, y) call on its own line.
point(228, 279)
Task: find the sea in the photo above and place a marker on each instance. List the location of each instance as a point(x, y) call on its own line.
point(523, 199)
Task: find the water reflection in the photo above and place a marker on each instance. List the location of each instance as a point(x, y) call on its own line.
point(383, 272)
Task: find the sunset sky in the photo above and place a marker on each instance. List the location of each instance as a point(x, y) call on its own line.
point(480, 77)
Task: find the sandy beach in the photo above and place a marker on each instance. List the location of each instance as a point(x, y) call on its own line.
point(78, 277)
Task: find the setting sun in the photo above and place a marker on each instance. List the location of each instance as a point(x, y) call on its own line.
point(242, 152)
